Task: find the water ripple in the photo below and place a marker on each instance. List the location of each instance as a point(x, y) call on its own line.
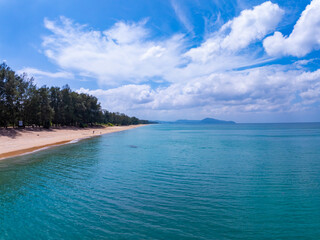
point(188, 182)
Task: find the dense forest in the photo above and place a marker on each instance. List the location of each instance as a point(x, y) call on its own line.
point(22, 101)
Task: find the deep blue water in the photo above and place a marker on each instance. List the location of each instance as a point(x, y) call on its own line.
point(243, 181)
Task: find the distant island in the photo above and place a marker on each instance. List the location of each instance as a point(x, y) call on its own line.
point(203, 121)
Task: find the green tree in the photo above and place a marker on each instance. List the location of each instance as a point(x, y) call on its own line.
point(20, 99)
point(57, 105)
point(46, 111)
point(32, 107)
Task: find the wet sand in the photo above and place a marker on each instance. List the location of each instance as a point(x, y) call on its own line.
point(14, 142)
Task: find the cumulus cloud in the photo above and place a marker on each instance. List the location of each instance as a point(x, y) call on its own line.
point(304, 38)
point(250, 26)
point(122, 54)
point(125, 54)
point(264, 89)
point(204, 79)
point(124, 97)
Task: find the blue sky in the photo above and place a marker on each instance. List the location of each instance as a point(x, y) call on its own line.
point(247, 61)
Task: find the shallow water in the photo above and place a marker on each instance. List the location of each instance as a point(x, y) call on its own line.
point(243, 181)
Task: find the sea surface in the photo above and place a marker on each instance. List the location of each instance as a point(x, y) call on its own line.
point(166, 181)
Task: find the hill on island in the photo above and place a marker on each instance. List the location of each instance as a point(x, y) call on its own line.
point(203, 121)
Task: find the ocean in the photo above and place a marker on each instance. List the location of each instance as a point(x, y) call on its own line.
point(169, 181)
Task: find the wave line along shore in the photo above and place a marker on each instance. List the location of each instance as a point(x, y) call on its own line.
point(18, 142)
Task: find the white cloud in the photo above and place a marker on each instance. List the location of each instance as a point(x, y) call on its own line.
point(40, 74)
point(182, 16)
point(304, 38)
point(265, 89)
point(122, 33)
point(261, 89)
point(252, 25)
point(125, 53)
point(155, 52)
point(122, 98)
point(199, 81)
point(226, 49)
point(122, 54)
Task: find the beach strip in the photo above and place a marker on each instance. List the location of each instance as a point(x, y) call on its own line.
point(18, 142)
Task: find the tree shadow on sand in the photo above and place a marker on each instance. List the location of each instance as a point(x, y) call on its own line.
point(12, 133)
point(15, 132)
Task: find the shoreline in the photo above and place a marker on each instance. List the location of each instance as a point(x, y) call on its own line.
point(19, 142)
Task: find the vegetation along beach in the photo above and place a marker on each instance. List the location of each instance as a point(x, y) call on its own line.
point(160, 120)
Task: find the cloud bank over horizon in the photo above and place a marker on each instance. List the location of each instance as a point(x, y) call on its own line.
point(236, 69)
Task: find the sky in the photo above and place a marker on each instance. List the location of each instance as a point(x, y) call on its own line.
point(246, 61)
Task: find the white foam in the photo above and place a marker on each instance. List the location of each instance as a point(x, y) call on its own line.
point(44, 148)
point(74, 141)
point(47, 147)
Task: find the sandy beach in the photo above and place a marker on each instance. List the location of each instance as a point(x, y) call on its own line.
point(14, 142)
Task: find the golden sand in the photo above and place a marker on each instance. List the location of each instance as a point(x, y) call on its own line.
point(18, 142)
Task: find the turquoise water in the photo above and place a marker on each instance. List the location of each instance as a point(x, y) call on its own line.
point(244, 181)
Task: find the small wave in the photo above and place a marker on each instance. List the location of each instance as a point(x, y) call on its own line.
point(34, 151)
point(74, 141)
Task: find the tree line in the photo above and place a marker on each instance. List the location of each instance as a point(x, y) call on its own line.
point(22, 101)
